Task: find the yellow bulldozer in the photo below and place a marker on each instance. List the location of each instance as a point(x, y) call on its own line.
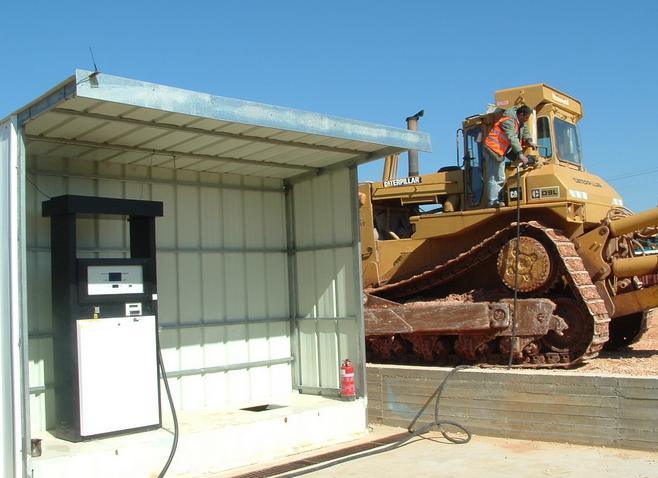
point(546, 280)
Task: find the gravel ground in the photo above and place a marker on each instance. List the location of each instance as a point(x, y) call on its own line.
point(639, 359)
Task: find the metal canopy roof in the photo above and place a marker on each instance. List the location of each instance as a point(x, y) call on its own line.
point(100, 117)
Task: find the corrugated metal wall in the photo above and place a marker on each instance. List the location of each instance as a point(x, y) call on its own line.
point(222, 278)
point(327, 303)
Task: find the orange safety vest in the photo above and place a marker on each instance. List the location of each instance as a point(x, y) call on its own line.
point(497, 140)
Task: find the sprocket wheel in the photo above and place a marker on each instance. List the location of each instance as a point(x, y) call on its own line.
point(536, 270)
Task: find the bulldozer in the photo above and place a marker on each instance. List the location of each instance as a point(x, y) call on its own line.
point(547, 279)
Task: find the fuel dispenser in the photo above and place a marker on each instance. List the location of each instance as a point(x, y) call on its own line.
point(104, 322)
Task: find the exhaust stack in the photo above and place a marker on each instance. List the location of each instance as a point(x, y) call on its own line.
point(412, 124)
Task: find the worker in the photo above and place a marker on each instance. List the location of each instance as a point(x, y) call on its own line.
point(505, 139)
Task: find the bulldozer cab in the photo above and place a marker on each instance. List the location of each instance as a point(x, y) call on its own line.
point(553, 124)
point(552, 127)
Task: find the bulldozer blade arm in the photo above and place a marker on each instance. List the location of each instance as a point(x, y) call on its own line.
point(635, 301)
point(635, 222)
point(635, 266)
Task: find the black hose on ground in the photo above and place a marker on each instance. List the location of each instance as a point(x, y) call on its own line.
point(437, 422)
point(412, 432)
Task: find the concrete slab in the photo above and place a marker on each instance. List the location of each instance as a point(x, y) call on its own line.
point(210, 441)
point(497, 458)
point(431, 456)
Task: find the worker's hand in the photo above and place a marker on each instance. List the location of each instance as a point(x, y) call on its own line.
point(532, 144)
point(523, 159)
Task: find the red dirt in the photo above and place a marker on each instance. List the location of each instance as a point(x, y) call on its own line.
point(639, 359)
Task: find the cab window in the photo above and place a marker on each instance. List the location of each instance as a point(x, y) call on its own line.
point(568, 143)
point(473, 154)
point(544, 144)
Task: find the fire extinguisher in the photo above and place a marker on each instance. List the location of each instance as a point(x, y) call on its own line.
point(347, 386)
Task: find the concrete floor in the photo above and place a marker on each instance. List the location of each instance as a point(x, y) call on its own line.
point(433, 456)
point(210, 442)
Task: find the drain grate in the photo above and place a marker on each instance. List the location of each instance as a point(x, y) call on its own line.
point(262, 408)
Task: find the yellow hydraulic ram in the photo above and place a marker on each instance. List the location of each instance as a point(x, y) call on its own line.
point(636, 222)
point(634, 266)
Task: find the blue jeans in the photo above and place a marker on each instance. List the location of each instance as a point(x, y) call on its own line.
point(495, 176)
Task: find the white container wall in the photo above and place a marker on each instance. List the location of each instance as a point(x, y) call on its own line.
point(7, 453)
point(222, 278)
point(13, 333)
point(327, 301)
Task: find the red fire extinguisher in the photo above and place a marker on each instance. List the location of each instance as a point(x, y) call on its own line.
point(347, 386)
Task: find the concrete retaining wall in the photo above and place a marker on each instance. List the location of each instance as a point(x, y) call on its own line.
point(554, 406)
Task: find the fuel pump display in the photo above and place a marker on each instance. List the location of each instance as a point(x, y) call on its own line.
point(104, 322)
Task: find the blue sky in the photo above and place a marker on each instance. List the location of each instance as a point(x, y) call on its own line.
point(376, 61)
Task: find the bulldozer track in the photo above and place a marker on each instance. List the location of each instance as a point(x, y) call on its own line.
point(566, 259)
